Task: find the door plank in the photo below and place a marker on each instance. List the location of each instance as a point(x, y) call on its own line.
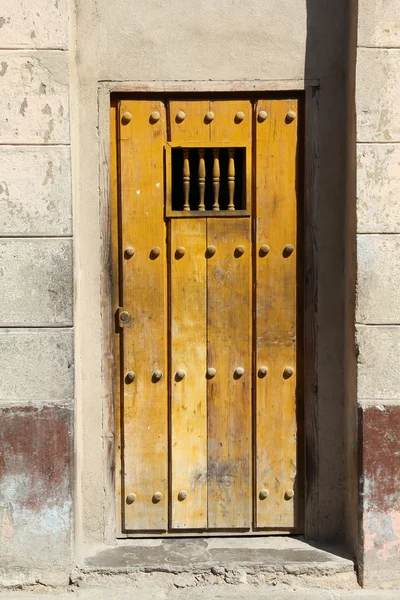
point(276, 316)
point(145, 406)
point(115, 294)
point(229, 399)
point(188, 330)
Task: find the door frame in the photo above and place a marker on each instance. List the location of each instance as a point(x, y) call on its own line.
point(309, 92)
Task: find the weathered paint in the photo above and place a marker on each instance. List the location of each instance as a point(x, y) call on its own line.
point(380, 497)
point(378, 317)
point(36, 351)
point(35, 486)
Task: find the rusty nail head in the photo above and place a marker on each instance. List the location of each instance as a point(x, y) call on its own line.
point(180, 374)
point(157, 375)
point(291, 115)
point(262, 372)
point(157, 496)
point(180, 116)
point(155, 116)
point(262, 115)
point(182, 495)
point(130, 499)
point(126, 118)
point(130, 376)
point(239, 371)
point(211, 372)
point(211, 250)
point(289, 494)
point(239, 116)
point(288, 250)
point(180, 251)
point(129, 252)
point(209, 116)
point(288, 372)
point(155, 252)
point(239, 250)
point(264, 249)
point(264, 493)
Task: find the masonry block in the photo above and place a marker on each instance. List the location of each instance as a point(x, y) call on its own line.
point(35, 487)
point(378, 188)
point(378, 90)
point(35, 191)
point(379, 438)
point(379, 23)
point(36, 282)
point(36, 365)
point(378, 363)
point(378, 290)
point(39, 24)
point(34, 97)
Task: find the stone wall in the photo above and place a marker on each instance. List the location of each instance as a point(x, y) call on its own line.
point(378, 295)
point(36, 312)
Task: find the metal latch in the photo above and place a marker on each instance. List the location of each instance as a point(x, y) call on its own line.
point(123, 317)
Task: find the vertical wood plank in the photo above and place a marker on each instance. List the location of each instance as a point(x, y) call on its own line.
point(276, 316)
point(188, 329)
point(145, 406)
point(115, 267)
point(229, 397)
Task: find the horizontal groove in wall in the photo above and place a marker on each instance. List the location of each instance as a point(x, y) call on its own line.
point(34, 236)
point(377, 324)
point(379, 47)
point(35, 327)
point(20, 144)
point(380, 143)
point(378, 233)
point(20, 49)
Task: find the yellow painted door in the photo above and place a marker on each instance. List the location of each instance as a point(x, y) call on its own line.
point(207, 212)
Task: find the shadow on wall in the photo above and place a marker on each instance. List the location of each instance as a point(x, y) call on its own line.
point(330, 58)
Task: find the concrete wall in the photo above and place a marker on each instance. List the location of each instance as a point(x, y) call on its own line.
point(36, 336)
point(378, 301)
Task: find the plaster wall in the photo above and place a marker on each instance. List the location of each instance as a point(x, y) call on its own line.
point(36, 288)
point(377, 316)
point(50, 87)
point(194, 43)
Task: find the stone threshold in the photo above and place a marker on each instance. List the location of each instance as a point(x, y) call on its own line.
point(191, 562)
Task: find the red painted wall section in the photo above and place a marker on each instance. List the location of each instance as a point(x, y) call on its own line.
point(35, 487)
point(380, 496)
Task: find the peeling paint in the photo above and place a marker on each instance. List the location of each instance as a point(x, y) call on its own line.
point(380, 485)
point(49, 174)
point(35, 483)
point(24, 106)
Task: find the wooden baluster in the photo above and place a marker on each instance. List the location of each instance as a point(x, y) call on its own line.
point(202, 180)
point(216, 179)
point(231, 178)
point(186, 180)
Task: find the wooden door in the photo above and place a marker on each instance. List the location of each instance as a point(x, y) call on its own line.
point(206, 203)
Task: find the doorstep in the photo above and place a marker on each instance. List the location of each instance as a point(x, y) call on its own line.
point(187, 562)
